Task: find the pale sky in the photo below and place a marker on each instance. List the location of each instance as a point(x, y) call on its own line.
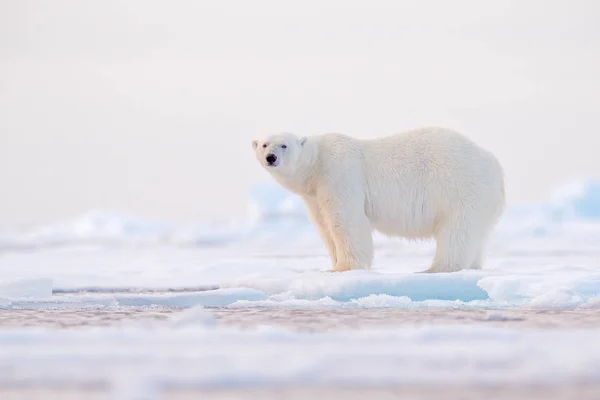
point(149, 107)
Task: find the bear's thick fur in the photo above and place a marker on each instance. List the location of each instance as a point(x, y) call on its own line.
point(424, 183)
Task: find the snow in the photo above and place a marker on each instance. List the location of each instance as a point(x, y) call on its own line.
point(23, 288)
point(200, 354)
point(359, 284)
point(541, 256)
point(533, 272)
point(577, 200)
point(213, 298)
point(544, 255)
point(270, 202)
point(192, 317)
point(216, 298)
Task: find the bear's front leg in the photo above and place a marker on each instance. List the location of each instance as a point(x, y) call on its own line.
point(350, 228)
point(316, 216)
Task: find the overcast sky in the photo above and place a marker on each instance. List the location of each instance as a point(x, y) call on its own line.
point(150, 107)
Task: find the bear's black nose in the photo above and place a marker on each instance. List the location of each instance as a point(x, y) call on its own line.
point(271, 158)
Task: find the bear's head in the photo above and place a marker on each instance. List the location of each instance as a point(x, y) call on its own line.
point(280, 153)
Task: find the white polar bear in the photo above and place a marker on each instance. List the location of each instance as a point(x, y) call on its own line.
point(424, 183)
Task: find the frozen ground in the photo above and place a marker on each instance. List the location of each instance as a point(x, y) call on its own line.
point(144, 353)
point(133, 308)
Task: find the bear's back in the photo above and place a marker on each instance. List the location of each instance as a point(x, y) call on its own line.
point(414, 178)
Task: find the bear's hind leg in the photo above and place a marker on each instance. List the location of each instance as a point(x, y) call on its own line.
point(480, 252)
point(457, 248)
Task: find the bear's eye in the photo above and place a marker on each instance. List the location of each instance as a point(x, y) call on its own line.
point(283, 146)
point(264, 146)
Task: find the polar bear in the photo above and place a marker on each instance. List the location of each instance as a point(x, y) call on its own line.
point(422, 183)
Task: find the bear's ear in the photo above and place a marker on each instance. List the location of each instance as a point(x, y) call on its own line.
point(303, 140)
point(254, 144)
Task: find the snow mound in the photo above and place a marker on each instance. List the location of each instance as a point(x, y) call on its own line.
point(271, 211)
point(555, 290)
point(548, 291)
point(274, 214)
point(94, 227)
point(103, 225)
point(26, 288)
point(578, 200)
point(525, 220)
point(271, 202)
point(354, 285)
point(110, 229)
point(571, 206)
